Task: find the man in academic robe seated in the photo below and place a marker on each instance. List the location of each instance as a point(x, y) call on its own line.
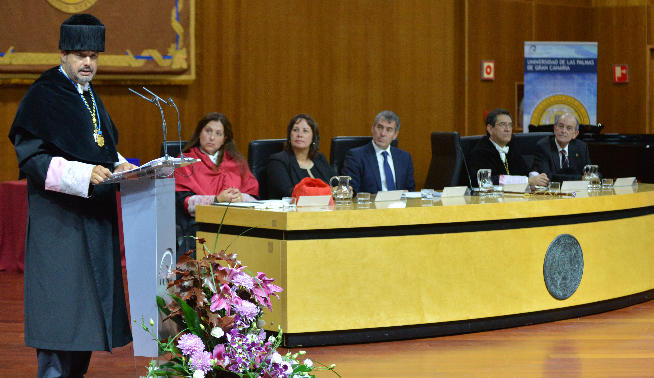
point(502, 155)
point(562, 156)
point(378, 166)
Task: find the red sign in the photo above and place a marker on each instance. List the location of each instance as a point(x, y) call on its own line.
point(620, 73)
point(488, 70)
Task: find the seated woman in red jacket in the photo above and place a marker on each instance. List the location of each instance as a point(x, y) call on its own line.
point(221, 175)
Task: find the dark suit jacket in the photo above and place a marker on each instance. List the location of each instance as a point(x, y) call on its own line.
point(361, 164)
point(547, 159)
point(283, 173)
point(485, 155)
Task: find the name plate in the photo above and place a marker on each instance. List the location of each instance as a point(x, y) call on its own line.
point(520, 188)
point(574, 186)
point(624, 189)
point(390, 205)
point(391, 195)
point(455, 191)
point(313, 200)
point(625, 181)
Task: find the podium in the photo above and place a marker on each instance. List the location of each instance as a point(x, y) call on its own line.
point(148, 206)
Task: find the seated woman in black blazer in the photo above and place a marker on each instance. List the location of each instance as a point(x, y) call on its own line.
point(299, 159)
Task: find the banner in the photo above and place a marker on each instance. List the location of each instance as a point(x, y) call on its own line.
point(560, 77)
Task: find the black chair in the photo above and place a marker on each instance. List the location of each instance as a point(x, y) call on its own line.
point(342, 144)
point(527, 143)
point(172, 147)
point(446, 164)
point(258, 153)
point(467, 144)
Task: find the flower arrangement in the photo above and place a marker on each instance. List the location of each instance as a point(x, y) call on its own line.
point(218, 305)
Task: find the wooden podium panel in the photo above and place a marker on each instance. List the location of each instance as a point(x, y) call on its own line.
point(356, 275)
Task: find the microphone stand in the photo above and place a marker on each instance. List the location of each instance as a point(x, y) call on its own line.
point(465, 164)
point(179, 126)
point(156, 100)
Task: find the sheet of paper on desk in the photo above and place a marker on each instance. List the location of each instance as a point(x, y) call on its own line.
point(412, 195)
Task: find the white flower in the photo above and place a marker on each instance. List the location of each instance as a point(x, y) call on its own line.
point(276, 358)
point(217, 332)
point(198, 374)
point(308, 363)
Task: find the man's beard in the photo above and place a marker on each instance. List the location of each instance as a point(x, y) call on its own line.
point(83, 79)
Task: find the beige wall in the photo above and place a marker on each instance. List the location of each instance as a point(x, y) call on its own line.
point(343, 61)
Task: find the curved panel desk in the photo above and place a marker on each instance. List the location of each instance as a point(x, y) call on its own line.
point(452, 266)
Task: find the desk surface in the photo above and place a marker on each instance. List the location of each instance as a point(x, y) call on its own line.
point(441, 268)
point(443, 210)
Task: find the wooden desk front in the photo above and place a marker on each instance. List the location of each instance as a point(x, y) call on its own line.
point(353, 275)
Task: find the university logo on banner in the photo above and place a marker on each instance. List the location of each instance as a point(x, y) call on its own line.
point(560, 77)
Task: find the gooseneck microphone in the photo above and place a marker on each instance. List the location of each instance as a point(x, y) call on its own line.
point(465, 164)
point(156, 100)
point(179, 126)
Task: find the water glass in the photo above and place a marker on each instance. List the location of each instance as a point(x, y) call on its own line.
point(484, 180)
point(594, 183)
point(363, 197)
point(607, 183)
point(555, 187)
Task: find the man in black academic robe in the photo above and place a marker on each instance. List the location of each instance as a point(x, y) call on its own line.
point(498, 152)
point(65, 142)
point(562, 156)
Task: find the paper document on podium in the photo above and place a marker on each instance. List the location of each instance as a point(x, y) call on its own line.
point(159, 168)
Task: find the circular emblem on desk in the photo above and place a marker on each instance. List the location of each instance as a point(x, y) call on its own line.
point(563, 266)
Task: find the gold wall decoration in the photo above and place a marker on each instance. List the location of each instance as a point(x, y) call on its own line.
point(72, 6)
point(145, 41)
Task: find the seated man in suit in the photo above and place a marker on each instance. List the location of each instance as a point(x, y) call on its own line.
point(562, 156)
point(499, 153)
point(378, 166)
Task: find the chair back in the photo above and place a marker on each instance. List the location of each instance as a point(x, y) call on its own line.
point(258, 153)
point(467, 144)
point(340, 145)
point(527, 143)
point(173, 147)
point(446, 163)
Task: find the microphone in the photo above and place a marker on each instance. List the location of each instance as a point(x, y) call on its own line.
point(465, 164)
point(156, 100)
point(179, 126)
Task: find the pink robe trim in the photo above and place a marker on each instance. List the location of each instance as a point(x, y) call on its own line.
point(69, 177)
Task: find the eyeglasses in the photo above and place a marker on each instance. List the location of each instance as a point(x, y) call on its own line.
point(571, 129)
point(505, 125)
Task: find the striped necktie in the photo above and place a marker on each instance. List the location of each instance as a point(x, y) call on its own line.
point(564, 160)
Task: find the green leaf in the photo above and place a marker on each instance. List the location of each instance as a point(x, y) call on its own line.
point(161, 303)
point(190, 316)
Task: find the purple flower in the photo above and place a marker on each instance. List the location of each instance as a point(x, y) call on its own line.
point(190, 344)
point(242, 279)
point(247, 309)
point(201, 361)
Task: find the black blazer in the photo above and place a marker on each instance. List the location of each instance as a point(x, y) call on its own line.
point(283, 173)
point(547, 159)
point(485, 155)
